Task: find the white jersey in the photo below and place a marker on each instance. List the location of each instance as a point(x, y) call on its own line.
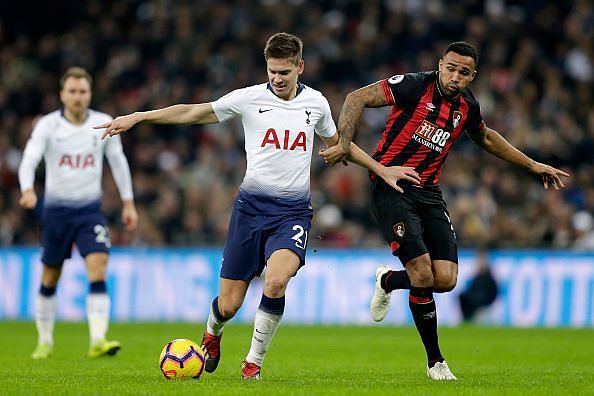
point(279, 137)
point(73, 157)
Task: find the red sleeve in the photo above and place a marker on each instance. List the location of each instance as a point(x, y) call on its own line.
point(388, 93)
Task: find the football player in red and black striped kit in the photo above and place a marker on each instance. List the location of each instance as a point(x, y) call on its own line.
point(430, 110)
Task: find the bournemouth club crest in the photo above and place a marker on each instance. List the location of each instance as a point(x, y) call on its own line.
point(399, 229)
point(457, 118)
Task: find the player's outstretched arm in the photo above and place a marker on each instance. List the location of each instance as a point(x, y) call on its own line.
point(350, 116)
point(492, 142)
point(201, 113)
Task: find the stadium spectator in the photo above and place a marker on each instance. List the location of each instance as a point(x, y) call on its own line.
point(482, 289)
point(73, 154)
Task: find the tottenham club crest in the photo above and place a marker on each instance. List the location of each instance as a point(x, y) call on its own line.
point(457, 118)
point(399, 229)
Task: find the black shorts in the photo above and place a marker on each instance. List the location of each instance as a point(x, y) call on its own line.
point(414, 223)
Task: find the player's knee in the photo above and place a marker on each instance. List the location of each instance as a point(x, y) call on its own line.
point(96, 262)
point(446, 276)
point(445, 285)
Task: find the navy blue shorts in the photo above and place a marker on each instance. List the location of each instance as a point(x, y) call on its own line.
point(252, 239)
point(61, 227)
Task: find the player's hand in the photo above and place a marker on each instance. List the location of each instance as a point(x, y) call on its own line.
point(392, 174)
point(129, 215)
point(29, 199)
point(118, 125)
point(335, 154)
point(550, 176)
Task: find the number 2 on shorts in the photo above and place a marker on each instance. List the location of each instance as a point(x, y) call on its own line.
point(300, 243)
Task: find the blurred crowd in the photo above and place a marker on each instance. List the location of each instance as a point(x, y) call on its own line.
point(534, 83)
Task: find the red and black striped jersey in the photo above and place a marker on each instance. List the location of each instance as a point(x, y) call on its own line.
point(423, 124)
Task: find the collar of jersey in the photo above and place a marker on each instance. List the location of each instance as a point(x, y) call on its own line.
point(300, 87)
point(68, 121)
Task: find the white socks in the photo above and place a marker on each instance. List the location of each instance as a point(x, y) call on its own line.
point(45, 317)
point(98, 305)
point(265, 326)
point(213, 325)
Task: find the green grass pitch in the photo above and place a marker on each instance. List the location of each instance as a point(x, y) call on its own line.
point(306, 360)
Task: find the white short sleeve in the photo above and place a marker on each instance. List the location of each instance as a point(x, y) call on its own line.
point(325, 126)
point(231, 105)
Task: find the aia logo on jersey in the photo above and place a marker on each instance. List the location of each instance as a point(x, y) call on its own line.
point(456, 118)
point(77, 161)
point(288, 142)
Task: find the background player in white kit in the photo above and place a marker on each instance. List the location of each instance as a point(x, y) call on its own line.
point(73, 153)
point(272, 213)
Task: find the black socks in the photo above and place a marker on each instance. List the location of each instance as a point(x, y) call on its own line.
point(422, 306)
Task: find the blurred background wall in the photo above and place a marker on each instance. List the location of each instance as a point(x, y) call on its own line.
point(536, 288)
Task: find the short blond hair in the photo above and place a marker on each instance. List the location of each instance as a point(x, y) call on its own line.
point(76, 72)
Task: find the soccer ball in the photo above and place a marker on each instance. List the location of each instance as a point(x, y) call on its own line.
point(181, 359)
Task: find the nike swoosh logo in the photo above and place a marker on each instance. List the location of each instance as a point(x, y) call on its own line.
point(259, 332)
point(264, 111)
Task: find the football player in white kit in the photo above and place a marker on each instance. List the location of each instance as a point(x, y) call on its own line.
point(73, 152)
point(272, 214)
